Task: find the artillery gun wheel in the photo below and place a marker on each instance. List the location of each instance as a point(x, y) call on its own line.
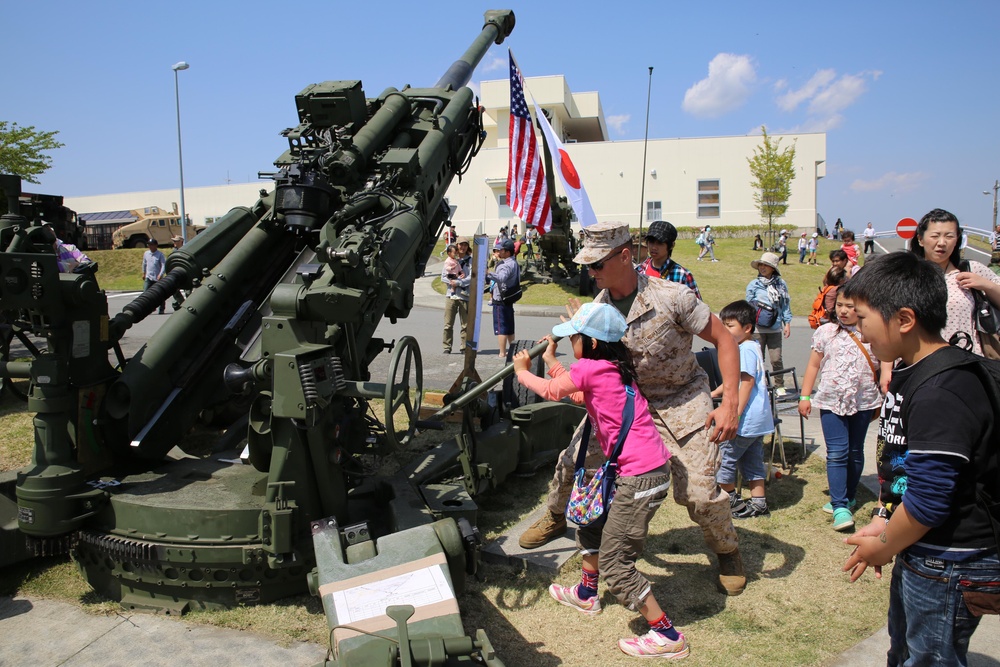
point(406, 358)
point(7, 335)
point(516, 394)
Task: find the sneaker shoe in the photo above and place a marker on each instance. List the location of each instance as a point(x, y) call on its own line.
point(654, 645)
point(715, 260)
point(736, 502)
point(546, 529)
point(732, 577)
point(851, 504)
point(780, 391)
point(842, 519)
point(567, 595)
point(751, 510)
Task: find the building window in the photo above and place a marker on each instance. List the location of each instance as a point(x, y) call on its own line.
point(654, 211)
point(503, 211)
point(708, 199)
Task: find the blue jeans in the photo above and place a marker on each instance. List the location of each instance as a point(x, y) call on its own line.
point(802, 255)
point(845, 453)
point(929, 621)
point(745, 451)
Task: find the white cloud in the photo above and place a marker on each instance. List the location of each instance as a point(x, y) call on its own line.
point(794, 98)
point(618, 122)
point(815, 124)
point(475, 86)
point(729, 84)
point(841, 94)
point(827, 96)
point(493, 63)
point(891, 181)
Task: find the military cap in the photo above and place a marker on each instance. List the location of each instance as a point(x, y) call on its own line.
point(600, 239)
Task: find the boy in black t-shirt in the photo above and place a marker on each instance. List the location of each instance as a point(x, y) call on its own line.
point(933, 447)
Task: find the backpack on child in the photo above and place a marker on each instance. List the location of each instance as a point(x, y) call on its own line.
point(819, 314)
point(988, 371)
point(700, 240)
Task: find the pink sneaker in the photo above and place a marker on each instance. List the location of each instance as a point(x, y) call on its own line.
point(654, 645)
point(567, 595)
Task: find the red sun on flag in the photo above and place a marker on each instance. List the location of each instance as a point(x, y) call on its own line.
point(568, 170)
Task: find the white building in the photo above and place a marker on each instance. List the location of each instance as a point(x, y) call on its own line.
point(690, 182)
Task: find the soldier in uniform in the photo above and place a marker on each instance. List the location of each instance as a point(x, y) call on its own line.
point(662, 319)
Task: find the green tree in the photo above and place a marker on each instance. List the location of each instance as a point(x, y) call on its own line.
point(773, 171)
point(22, 150)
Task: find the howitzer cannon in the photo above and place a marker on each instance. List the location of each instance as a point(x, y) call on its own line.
point(273, 346)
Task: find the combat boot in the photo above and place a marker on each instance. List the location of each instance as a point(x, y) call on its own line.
point(732, 577)
point(546, 529)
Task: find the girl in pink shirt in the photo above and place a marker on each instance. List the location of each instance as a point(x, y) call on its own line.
point(611, 547)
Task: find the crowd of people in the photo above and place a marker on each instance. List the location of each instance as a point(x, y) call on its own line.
point(880, 329)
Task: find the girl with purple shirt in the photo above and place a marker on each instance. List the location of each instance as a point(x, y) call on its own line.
point(598, 380)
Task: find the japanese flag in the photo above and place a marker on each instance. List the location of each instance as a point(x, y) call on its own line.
point(563, 165)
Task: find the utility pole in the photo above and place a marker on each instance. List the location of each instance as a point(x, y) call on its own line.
point(645, 142)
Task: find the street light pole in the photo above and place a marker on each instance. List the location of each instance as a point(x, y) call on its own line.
point(642, 174)
point(180, 157)
point(996, 187)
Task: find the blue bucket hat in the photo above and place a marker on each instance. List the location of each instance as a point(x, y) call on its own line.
point(597, 320)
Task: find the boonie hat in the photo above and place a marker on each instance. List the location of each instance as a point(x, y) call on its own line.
point(662, 231)
point(815, 235)
point(463, 239)
point(597, 320)
point(508, 245)
point(769, 259)
point(175, 239)
point(600, 239)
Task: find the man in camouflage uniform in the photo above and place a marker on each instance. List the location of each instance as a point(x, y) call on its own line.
point(662, 318)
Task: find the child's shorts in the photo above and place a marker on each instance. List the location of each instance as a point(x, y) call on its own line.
point(748, 452)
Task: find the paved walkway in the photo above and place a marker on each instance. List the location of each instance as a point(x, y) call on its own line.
point(43, 633)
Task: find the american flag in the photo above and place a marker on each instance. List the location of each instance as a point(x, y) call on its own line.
point(527, 194)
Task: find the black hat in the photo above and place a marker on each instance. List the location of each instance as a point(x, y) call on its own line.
point(662, 231)
point(508, 245)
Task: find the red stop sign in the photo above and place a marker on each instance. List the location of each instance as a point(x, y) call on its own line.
point(906, 228)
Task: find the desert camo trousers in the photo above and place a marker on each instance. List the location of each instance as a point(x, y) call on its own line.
point(694, 460)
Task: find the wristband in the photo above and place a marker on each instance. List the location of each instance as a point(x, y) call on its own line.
point(880, 512)
point(805, 398)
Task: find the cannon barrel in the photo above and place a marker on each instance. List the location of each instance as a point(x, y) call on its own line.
point(499, 24)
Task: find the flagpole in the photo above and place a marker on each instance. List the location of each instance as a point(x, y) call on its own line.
point(645, 143)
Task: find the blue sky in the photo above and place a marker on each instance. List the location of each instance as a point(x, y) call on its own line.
point(906, 91)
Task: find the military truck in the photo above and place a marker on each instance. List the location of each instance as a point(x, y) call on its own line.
point(153, 223)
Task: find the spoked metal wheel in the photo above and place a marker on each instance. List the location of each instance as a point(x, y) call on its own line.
point(403, 392)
